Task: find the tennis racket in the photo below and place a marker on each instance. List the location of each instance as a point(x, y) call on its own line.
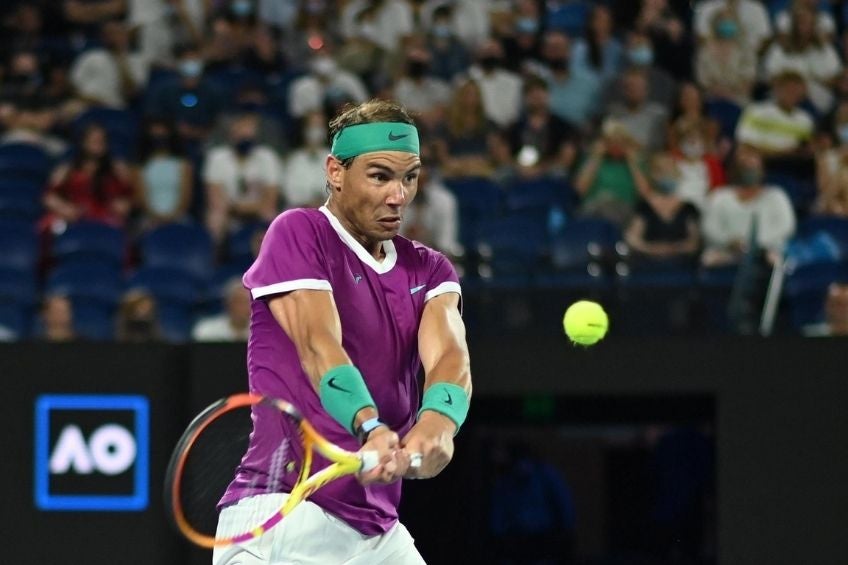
point(204, 461)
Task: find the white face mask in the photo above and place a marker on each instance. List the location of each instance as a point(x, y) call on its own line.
point(323, 66)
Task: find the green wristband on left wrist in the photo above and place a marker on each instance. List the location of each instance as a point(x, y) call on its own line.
point(447, 399)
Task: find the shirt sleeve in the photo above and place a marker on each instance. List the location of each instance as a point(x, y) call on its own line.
point(290, 258)
point(442, 277)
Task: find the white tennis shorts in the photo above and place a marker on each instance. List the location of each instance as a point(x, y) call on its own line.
point(307, 536)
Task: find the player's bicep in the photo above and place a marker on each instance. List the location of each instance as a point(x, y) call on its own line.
point(311, 321)
point(441, 340)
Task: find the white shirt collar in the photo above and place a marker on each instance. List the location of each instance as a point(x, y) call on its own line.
point(380, 267)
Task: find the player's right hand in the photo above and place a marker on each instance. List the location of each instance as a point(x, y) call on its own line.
point(393, 461)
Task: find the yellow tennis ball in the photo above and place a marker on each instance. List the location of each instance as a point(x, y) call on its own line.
point(585, 322)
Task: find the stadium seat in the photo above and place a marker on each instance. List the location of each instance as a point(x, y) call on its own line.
point(94, 320)
point(20, 198)
point(177, 295)
point(800, 190)
point(806, 289)
point(510, 249)
point(835, 227)
point(534, 194)
point(121, 126)
point(18, 296)
point(90, 242)
point(239, 243)
point(24, 162)
point(577, 256)
point(726, 113)
point(98, 283)
point(568, 17)
point(478, 199)
point(19, 246)
point(181, 247)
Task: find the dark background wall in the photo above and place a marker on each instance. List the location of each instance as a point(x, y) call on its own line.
point(779, 409)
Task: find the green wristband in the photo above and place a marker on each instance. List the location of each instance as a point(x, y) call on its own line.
point(343, 393)
point(447, 399)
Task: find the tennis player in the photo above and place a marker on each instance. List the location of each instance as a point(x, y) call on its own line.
point(344, 313)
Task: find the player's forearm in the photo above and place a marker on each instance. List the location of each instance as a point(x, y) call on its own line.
point(453, 367)
point(322, 352)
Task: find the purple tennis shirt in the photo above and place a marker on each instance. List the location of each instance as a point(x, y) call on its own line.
point(380, 305)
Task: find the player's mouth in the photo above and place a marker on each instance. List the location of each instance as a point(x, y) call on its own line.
point(390, 222)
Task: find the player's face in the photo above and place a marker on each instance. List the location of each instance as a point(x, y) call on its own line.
point(373, 193)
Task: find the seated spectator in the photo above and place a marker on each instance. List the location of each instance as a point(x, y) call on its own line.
point(450, 56)
point(190, 101)
point(231, 34)
point(93, 186)
point(242, 180)
point(747, 205)
point(231, 325)
point(264, 55)
point(385, 23)
point(138, 318)
point(523, 43)
point(500, 88)
point(835, 312)
point(574, 94)
point(420, 92)
point(644, 120)
point(110, 76)
point(502, 162)
point(664, 226)
point(432, 217)
point(599, 53)
point(30, 121)
point(610, 179)
point(661, 88)
point(315, 26)
point(778, 128)
point(250, 97)
point(461, 146)
point(752, 16)
point(665, 23)
point(324, 80)
point(23, 77)
point(699, 168)
point(825, 24)
point(725, 66)
point(469, 19)
point(544, 144)
point(57, 318)
point(690, 114)
point(832, 168)
point(807, 53)
point(164, 178)
point(304, 179)
point(159, 25)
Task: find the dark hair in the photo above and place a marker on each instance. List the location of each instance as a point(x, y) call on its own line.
point(104, 162)
point(367, 113)
point(146, 145)
point(533, 82)
point(596, 56)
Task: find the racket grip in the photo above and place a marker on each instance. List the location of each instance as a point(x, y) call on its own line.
point(370, 459)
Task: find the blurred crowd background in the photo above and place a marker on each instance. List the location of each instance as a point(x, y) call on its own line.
point(690, 153)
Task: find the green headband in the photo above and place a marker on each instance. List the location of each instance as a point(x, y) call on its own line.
point(376, 136)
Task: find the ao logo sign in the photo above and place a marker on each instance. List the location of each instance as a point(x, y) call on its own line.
point(91, 452)
point(111, 450)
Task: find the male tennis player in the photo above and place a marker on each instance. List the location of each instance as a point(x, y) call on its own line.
point(344, 313)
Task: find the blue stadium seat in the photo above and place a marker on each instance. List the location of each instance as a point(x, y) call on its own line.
point(568, 17)
point(800, 190)
point(24, 161)
point(20, 197)
point(19, 247)
point(806, 290)
point(577, 255)
point(511, 248)
point(478, 199)
point(121, 126)
point(94, 320)
point(97, 283)
point(177, 295)
point(18, 296)
point(91, 242)
point(534, 194)
point(239, 243)
point(726, 113)
point(181, 247)
point(214, 292)
point(658, 275)
point(834, 226)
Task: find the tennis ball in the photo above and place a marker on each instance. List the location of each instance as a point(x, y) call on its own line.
point(585, 322)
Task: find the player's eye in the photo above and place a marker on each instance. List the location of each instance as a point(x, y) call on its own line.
point(380, 177)
point(411, 177)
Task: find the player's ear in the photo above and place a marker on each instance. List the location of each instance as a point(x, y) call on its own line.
point(335, 173)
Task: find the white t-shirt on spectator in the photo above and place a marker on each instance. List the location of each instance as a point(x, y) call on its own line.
point(217, 328)
point(394, 20)
point(825, 24)
point(753, 18)
point(500, 91)
point(305, 180)
point(422, 96)
point(766, 126)
point(727, 219)
point(818, 66)
point(96, 75)
point(694, 182)
point(242, 179)
point(307, 93)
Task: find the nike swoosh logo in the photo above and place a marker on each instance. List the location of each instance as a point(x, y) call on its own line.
point(416, 289)
point(332, 384)
point(393, 137)
point(449, 400)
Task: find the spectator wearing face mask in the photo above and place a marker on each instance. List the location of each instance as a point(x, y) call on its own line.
point(450, 56)
point(420, 92)
point(725, 66)
point(163, 177)
point(639, 54)
point(325, 79)
point(304, 177)
point(664, 226)
point(574, 94)
point(469, 19)
point(699, 169)
point(190, 101)
point(644, 120)
point(751, 15)
point(110, 76)
point(138, 318)
point(385, 23)
point(524, 43)
point(159, 25)
point(242, 180)
point(599, 52)
point(747, 205)
point(500, 89)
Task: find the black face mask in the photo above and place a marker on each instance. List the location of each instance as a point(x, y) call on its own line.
point(417, 69)
point(243, 146)
point(160, 141)
point(490, 63)
point(558, 64)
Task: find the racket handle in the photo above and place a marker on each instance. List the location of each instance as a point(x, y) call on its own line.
point(370, 459)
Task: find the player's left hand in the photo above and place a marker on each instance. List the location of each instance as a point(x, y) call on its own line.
point(432, 438)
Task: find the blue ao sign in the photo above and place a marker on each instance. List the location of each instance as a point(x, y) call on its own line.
point(91, 452)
